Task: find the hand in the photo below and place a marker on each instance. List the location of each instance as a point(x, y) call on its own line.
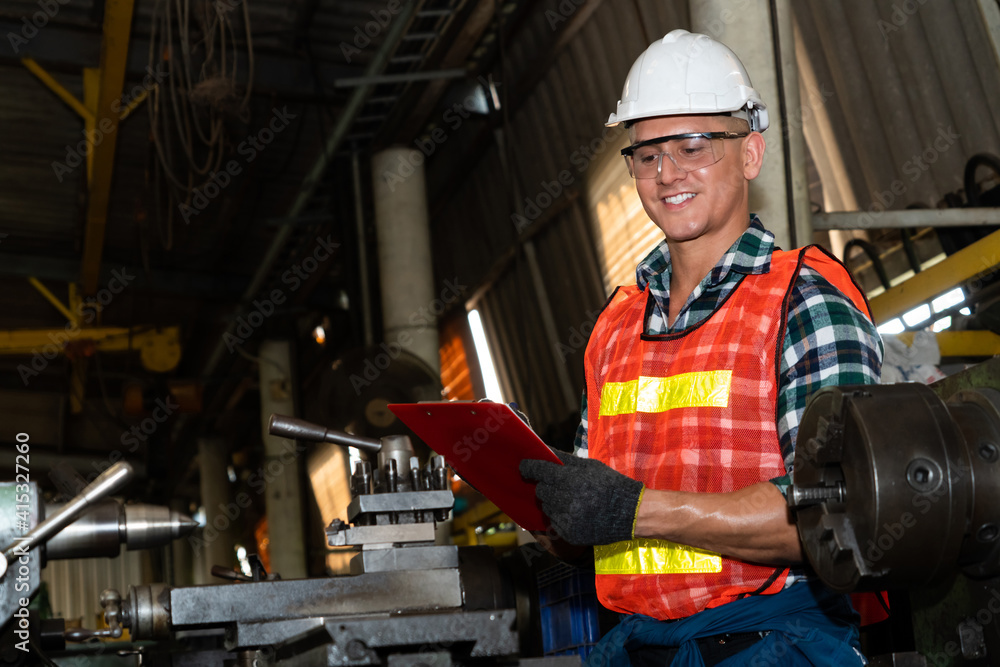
point(586, 501)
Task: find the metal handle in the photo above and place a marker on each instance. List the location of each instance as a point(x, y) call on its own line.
point(106, 483)
point(299, 429)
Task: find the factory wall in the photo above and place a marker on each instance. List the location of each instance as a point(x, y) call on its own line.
point(897, 96)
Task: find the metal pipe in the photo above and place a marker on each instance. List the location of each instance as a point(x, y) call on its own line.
point(920, 217)
point(359, 222)
point(404, 77)
point(796, 169)
point(300, 429)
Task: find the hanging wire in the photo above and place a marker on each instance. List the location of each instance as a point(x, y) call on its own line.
point(196, 43)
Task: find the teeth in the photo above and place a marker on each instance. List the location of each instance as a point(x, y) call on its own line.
point(677, 199)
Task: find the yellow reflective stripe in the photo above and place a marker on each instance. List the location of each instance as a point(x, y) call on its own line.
point(648, 394)
point(645, 556)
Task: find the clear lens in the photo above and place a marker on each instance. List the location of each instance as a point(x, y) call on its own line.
point(687, 154)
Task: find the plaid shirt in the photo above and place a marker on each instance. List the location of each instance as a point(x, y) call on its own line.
point(827, 340)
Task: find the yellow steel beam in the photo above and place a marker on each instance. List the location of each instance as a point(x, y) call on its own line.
point(962, 343)
point(51, 298)
point(58, 89)
point(114, 48)
point(938, 279)
point(159, 349)
point(91, 90)
point(135, 102)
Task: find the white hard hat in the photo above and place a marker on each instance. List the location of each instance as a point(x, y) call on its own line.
point(687, 73)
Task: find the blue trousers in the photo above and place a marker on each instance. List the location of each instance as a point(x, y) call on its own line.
point(809, 624)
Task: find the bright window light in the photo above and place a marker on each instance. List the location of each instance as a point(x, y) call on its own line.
point(241, 556)
point(917, 315)
point(485, 359)
point(893, 326)
point(941, 324)
point(353, 458)
point(966, 312)
point(946, 301)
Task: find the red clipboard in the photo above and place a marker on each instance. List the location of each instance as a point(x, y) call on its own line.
point(485, 443)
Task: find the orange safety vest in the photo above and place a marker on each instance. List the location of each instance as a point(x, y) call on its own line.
point(693, 411)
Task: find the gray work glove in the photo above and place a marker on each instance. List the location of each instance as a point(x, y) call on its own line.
point(587, 501)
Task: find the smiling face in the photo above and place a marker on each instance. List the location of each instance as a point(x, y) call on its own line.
point(708, 205)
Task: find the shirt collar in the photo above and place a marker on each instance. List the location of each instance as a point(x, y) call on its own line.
point(750, 254)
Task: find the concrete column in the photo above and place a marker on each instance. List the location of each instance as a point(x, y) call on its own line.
point(780, 194)
point(282, 495)
point(217, 540)
point(404, 254)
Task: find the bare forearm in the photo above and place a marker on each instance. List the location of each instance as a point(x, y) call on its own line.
point(752, 524)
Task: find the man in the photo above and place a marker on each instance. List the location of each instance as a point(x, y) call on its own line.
point(697, 377)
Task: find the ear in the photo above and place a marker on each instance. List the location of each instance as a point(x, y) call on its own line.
point(753, 155)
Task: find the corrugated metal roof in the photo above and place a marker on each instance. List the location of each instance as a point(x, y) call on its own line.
point(37, 129)
point(905, 98)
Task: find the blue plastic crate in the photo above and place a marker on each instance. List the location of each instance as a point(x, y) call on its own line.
point(569, 607)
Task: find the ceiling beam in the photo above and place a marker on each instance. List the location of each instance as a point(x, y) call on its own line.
point(414, 118)
point(114, 56)
point(65, 49)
